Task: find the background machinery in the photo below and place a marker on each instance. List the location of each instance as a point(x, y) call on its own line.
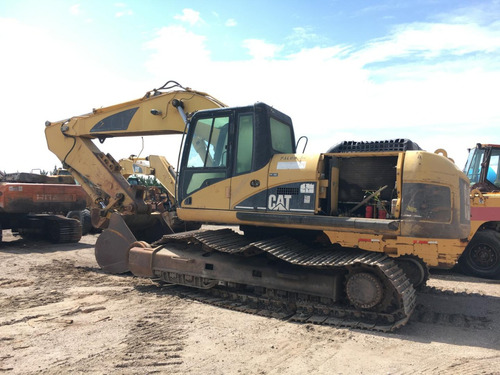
point(161, 200)
point(158, 168)
point(152, 165)
point(35, 205)
point(307, 238)
point(482, 255)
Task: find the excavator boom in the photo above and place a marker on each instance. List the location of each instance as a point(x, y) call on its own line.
point(98, 173)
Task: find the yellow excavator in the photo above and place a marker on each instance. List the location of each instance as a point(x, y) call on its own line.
point(160, 202)
point(152, 165)
point(344, 234)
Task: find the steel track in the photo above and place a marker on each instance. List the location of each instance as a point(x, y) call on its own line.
point(391, 314)
point(69, 231)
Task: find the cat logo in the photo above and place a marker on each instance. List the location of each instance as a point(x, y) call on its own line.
point(279, 203)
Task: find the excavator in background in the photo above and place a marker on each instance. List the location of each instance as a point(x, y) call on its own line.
point(343, 235)
point(152, 165)
point(155, 166)
point(162, 171)
point(34, 205)
point(482, 255)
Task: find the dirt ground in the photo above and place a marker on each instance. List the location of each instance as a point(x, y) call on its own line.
point(60, 314)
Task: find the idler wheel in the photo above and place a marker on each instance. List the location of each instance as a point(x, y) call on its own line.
point(415, 269)
point(364, 290)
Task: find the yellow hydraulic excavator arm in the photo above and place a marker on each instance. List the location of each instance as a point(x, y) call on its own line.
point(161, 111)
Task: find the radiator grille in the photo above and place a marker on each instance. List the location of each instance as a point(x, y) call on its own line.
point(287, 191)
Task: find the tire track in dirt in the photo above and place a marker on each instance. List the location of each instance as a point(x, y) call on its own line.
point(426, 315)
point(9, 283)
point(52, 281)
point(456, 309)
point(462, 366)
point(156, 341)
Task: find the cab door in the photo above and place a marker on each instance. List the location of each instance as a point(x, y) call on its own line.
point(248, 186)
point(205, 178)
point(260, 132)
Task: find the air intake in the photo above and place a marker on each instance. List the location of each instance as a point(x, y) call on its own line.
point(401, 144)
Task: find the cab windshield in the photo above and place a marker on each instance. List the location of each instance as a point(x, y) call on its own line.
point(476, 163)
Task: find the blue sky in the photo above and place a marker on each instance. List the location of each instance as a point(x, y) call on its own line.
point(427, 70)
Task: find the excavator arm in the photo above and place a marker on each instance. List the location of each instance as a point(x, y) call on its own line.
point(160, 111)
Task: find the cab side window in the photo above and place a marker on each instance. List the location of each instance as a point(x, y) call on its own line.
point(494, 168)
point(281, 137)
point(209, 144)
point(244, 144)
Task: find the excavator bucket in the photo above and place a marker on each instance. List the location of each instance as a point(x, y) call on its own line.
point(112, 246)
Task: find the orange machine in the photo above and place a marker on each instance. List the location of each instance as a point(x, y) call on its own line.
point(32, 204)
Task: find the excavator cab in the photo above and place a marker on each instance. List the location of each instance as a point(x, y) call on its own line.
point(228, 142)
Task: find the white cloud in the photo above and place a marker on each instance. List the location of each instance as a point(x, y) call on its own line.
point(169, 46)
point(301, 35)
point(231, 22)
point(339, 92)
point(433, 83)
point(260, 49)
point(124, 13)
point(75, 9)
point(428, 41)
point(190, 16)
point(123, 10)
point(65, 80)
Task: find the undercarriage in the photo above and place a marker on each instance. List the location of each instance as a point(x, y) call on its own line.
point(336, 286)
